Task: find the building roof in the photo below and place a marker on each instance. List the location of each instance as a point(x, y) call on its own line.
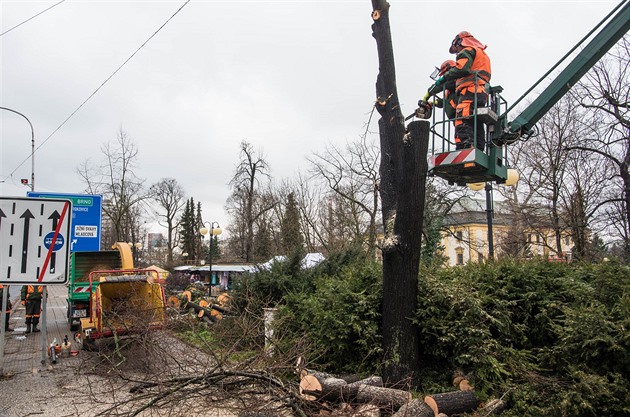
point(309, 261)
point(477, 217)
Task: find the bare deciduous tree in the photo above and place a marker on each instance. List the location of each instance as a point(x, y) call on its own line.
point(604, 93)
point(248, 201)
point(352, 173)
point(169, 195)
point(123, 192)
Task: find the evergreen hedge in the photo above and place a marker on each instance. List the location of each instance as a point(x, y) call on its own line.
point(552, 338)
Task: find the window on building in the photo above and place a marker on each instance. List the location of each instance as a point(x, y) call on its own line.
point(566, 240)
point(537, 238)
point(529, 237)
point(459, 235)
point(479, 257)
point(460, 259)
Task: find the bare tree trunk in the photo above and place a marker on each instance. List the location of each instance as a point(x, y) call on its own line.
point(403, 178)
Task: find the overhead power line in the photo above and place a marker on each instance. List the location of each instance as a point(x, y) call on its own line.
point(31, 18)
point(99, 88)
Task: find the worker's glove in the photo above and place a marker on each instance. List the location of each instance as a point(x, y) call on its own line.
point(426, 97)
point(23, 302)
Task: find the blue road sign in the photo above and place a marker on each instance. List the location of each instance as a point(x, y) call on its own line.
point(86, 219)
point(48, 240)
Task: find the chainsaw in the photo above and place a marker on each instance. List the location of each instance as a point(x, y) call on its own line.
point(424, 110)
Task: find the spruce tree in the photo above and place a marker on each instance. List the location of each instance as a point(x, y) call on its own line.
point(292, 239)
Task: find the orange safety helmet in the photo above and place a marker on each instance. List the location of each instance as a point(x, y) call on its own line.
point(465, 39)
point(446, 65)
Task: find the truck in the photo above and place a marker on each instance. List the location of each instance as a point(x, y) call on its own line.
point(79, 286)
point(121, 302)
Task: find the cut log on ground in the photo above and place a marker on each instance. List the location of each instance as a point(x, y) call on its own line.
point(464, 385)
point(414, 408)
point(324, 387)
point(374, 381)
point(367, 410)
point(492, 408)
point(385, 397)
point(321, 386)
point(205, 317)
point(455, 402)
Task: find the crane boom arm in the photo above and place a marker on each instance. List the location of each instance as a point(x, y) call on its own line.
point(614, 30)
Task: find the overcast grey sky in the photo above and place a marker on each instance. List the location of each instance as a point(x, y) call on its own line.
point(290, 77)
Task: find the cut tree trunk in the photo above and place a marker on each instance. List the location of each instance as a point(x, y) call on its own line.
point(389, 398)
point(320, 386)
point(403, 170)
point(325, 387)
point(492, 408)
point(414, 408)
point(455, 402)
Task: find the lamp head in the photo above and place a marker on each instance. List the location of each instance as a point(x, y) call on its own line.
point(476, 186)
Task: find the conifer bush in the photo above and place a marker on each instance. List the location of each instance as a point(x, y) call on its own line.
point(552, 338)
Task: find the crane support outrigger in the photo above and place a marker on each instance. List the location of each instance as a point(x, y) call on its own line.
point(473, 165)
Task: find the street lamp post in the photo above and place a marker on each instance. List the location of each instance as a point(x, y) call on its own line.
point(32, 146)
point(213, 230)
point(512, 179)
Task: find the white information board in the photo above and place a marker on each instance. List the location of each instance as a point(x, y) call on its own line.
point(34, 234)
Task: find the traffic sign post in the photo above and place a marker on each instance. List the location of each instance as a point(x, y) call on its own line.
point(34, 245)
point(86, 219)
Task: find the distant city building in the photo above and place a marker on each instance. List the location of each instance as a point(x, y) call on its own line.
point(155, 240)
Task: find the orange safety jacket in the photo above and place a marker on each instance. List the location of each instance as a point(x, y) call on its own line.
point(480, 73)
point(33, 294)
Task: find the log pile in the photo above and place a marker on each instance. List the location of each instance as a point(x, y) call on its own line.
point(207, 311)
point(368, 397)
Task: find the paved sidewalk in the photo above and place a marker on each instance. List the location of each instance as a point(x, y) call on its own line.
point(23, 352)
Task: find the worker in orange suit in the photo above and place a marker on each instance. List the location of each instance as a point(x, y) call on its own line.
point(472, 71)
point(9, 306)
point(449, 101)
point(31, 297)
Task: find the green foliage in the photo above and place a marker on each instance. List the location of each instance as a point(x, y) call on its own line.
point(189, 226)
point(552, 335)
point(332, 310)
point(340, 318)
point(269, 286)
point(292, 239)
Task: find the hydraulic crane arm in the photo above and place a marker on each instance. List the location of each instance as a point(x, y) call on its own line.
point(614, 30)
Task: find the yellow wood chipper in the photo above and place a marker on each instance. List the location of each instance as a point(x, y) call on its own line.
point(125, 302)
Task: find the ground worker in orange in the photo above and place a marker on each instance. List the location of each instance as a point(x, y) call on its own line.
point(31, 296)
point(472, 71)
point(9, 306)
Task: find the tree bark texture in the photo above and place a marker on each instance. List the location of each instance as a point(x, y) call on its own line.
point(454, 402)
point(403, 171)
point(323, 387)
point(492, 408)
point(414, 408)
